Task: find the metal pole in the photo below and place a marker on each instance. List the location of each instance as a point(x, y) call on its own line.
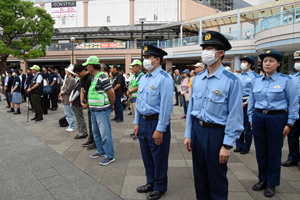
point(72, 53)
point(142, 42)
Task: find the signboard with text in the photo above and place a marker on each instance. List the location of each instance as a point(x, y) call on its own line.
point(121, 45)
point(63, 9)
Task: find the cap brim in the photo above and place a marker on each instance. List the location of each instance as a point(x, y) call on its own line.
point(85, 64)
point(262, 56)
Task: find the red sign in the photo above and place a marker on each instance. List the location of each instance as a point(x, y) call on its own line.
point(108, 45)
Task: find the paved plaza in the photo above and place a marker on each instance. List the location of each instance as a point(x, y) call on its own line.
point(42, 161)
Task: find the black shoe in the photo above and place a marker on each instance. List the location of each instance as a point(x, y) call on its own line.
point(114, 119)
point(130, 113)
point(270, 191)
point(11, 111)
point(132, 135)
point(259, 186)
point(80, 137)
point(30, 109)
point(91, 147)
point(53, 109)
point(180, 105)
point(7, 107)
point(39, 119)
point(119, 120)
point(145, 188)
point(134, 138)
point(87, 144)
point(244, 152)
point(33, 119)
point(155, 195)
point(237, 150)
point(17, 113)
point(289, 163)
point(176, 104)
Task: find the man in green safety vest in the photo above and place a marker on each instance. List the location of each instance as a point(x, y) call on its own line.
point(133, 87)
point(101, 99)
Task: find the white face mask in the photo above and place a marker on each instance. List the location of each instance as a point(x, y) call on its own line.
point(208, 57)
point(147, 64)
point(13, 73)
point(244, 66)
point(297, 66)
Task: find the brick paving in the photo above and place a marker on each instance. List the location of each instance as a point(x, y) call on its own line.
point(120, 178)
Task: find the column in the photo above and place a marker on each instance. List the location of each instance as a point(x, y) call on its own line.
point(238, 24)
point(291, 64)
point(127, 63)
point(169, 65)
point(24, 65)
point(131, 10)
point(42, 5)
point(261, 17)
point(237, 62)
point(232, 64)
point(85, 12)
point(200, 32)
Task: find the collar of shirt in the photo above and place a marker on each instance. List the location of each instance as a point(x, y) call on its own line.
point(155, 72)
point(248, 72)
point(273, 77)
point(136, 75)
point(297, 74)
point(217, 73)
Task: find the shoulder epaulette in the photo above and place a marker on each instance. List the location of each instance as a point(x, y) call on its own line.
point(165, 74)
point(293, 73)
point(258, 75)
point(200, 72)
point(285, 75)
point(254, 73)
point(230, 75)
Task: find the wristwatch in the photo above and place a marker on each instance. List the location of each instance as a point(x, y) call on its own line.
point(227, 146)
point(290, 125)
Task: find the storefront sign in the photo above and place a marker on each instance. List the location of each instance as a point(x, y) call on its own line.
point(121, 45)
point(63, 9)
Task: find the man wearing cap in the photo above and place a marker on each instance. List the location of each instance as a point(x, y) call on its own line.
point(36, 90)
point(101, 99)
point(293, 136)
point(154, 107)
point(247, 76)
point(177, 80)
point(53, 78)
point(214, 119)
point(199, 67)
point(117, 84)
point(134, 85)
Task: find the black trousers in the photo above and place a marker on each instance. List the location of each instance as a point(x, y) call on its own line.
point(54, 97)
point(178, 96)
point(7, 100)
point(45, 104)
point(91, 137)
point(23, 94)
point(36, 102)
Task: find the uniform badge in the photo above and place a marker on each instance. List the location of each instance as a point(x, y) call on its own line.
point(268, 51)
point(153, 87)
point(208, 36)
point(217, 92)
point(297, 54)
point(145, 48)
point(277, 86)
point(245, 56)
point(249, 79)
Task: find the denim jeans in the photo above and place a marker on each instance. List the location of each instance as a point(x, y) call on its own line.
point(118, 107)
point(185, 104)
point(102, 132)
point(70, 116)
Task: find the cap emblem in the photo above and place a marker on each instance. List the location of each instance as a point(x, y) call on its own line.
point(297, 54)
point(145, 48)
point(245, 56)
point(268, 51)
point(208, 36)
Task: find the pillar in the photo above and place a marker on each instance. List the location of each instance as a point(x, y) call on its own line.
point(42, 5)
point(261, 17)
point(169, 65)
point(232, 64)
point(238, 24)
point(200, 32)
point(24, 65)
point(291, 64)
point(85, 12)
point(237, 62)
point(131, 10)
point(127, 63)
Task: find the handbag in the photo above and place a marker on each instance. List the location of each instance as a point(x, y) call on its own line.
point(186, 97)
point(178, 88)
point(47, 90)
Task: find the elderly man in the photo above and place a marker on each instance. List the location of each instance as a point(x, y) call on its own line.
point(177, 81)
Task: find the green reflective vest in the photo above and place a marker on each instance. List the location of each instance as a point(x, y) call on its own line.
point(94, 98)
point(134, 83)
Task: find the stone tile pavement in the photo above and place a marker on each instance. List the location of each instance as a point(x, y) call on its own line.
point(47, 165)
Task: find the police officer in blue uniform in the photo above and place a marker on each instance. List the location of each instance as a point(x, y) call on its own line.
point(272, 111)
point(152, 121)
point(214, 119)
point(243, 144)
point(293, 136)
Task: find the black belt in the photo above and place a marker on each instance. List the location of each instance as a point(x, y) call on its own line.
point(151, 117)
point(271, 112)
point(210, 125)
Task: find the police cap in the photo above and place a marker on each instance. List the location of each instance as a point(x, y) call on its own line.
point(272, 53)
point(216, 39)
point(249, 59)
point(151, 50)
point(297, 55)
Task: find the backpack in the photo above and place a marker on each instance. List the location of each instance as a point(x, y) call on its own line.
point(63, 122)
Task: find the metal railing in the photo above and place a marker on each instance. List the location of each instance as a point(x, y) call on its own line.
point(245, 34)
point(282, 18)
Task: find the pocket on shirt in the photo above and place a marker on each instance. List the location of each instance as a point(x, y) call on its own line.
point(197, 98)
point(277, 94)
point(215, 104)
point(258, 94)
point(153, 97)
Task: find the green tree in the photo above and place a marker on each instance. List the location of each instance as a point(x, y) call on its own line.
point(26, 30)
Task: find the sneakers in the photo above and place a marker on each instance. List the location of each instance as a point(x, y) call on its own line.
point(91, 147)
point(106, 161)
point(119, 120)
point(88, 143)
point(132, 135)
point(97, 155)
point(70, 130)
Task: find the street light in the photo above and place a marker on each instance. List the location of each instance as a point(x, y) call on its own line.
point(72, 40)
point(142, 19)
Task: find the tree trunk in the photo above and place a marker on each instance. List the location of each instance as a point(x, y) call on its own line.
point(3, 66)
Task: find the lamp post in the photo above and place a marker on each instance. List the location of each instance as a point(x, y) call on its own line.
point(142, 19)
point(72, 40)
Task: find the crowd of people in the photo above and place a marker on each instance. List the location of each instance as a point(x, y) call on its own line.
point(220, 108)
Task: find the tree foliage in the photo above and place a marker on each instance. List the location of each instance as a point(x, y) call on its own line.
point(26, 30)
